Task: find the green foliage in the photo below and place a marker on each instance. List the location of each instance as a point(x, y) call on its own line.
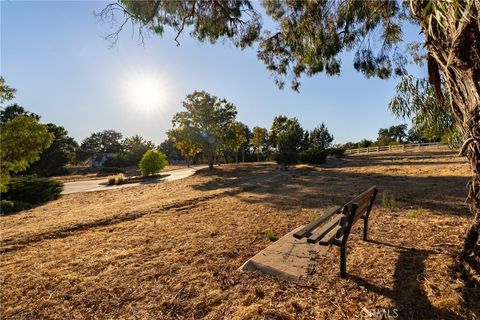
point(415, 214)
point(259, 140)
point(23, 140)
point(313, 156)
point(111, 170)
point(135, 147)
point(14, 110)
point(306, 37)
point(235, 137)
point(389, 201)
point(117, 160)
point(152, 162)
point(431, 118)
point(6, 92)
point(203, 124)
point(320, 138)
point(34, 190)
point(287, 135)
point(107, 141)
point(270, 235)
point(61, 152)
point(392, 135)
point(170, 150)
point(337, 152)
point(8, 207)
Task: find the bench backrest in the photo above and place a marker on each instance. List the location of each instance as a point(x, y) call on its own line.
point(337, 222)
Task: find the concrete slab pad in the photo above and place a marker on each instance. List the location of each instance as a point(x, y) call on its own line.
point(288, 258)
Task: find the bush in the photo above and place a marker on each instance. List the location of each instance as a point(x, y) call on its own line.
point(111, 180)
point(8, 206)
point(152, 162)
point(270, 235)
point(118, 160)
point(287, 157)
point(110, 170)
point(120, 179)
point(389, 201)
point(337, 152)
point(313, 156)
point(33, 190)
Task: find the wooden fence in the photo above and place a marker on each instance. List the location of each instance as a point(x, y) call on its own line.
point(399, 148)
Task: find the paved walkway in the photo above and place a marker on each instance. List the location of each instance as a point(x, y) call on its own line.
point(96, 184)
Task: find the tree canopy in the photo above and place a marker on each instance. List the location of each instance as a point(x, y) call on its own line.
point(204, 122)
point(107, 141)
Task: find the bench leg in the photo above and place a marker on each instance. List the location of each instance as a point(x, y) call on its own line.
point(365, 228)
point(343, 261)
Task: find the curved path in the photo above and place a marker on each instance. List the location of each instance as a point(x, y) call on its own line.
point(96, 184)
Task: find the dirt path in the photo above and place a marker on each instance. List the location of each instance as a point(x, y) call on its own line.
point(98, 184)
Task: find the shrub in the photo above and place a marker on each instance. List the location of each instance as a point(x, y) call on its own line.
point(152, 162)
point(111, 180)
point(287, 157)
point(415, 214)
point(270, 234)
point(118, 160)
point(8, 206)
point(110, 170)
point(313, 216)
point(337, 152)
point(120, 178)
point(31, 189)
point(313, 156)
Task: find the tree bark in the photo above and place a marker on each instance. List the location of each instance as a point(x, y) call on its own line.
point(210, 159)
point(454, 51)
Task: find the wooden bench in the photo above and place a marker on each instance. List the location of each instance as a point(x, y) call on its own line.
point(334, 227)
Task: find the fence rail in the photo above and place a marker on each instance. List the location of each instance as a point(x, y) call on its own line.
point(398, 148)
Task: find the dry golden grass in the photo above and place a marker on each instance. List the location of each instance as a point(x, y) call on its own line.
point(172, 250)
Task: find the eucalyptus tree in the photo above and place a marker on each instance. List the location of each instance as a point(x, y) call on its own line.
point(186, 139)
point(432, 118)
point(308, 38)
point(208, 117)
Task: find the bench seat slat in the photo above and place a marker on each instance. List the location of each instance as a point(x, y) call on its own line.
point(327, 240)
point(318, 234)
point(307, 230)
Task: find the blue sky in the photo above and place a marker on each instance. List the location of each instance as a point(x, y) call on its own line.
point(56, 56)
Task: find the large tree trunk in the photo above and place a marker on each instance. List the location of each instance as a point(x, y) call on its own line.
point(454, 52)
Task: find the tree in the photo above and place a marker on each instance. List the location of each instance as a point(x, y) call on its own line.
point(6, 92)
point(311, 35)
point(61, 152)
point(288, 137)
point(135, 147)
point(320, 138)
point(152, 162)
point(23, 140)
point(186, 139)
point(235, 137)
point(169, 149)
point(206, 116)
point(14, 110)
point(259, 138)
point(394, 134)
point(107, 141)
point(431, 118)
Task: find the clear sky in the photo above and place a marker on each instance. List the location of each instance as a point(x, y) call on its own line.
point(56, 56)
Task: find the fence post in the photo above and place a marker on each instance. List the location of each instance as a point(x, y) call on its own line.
point(378, 150)
point(403, 147)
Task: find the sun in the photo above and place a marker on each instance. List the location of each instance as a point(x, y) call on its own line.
point(145, 92)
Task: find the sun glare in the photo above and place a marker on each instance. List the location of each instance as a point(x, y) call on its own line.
point(145, 92)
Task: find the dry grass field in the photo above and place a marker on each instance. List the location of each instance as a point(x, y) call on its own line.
point(172, 250)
